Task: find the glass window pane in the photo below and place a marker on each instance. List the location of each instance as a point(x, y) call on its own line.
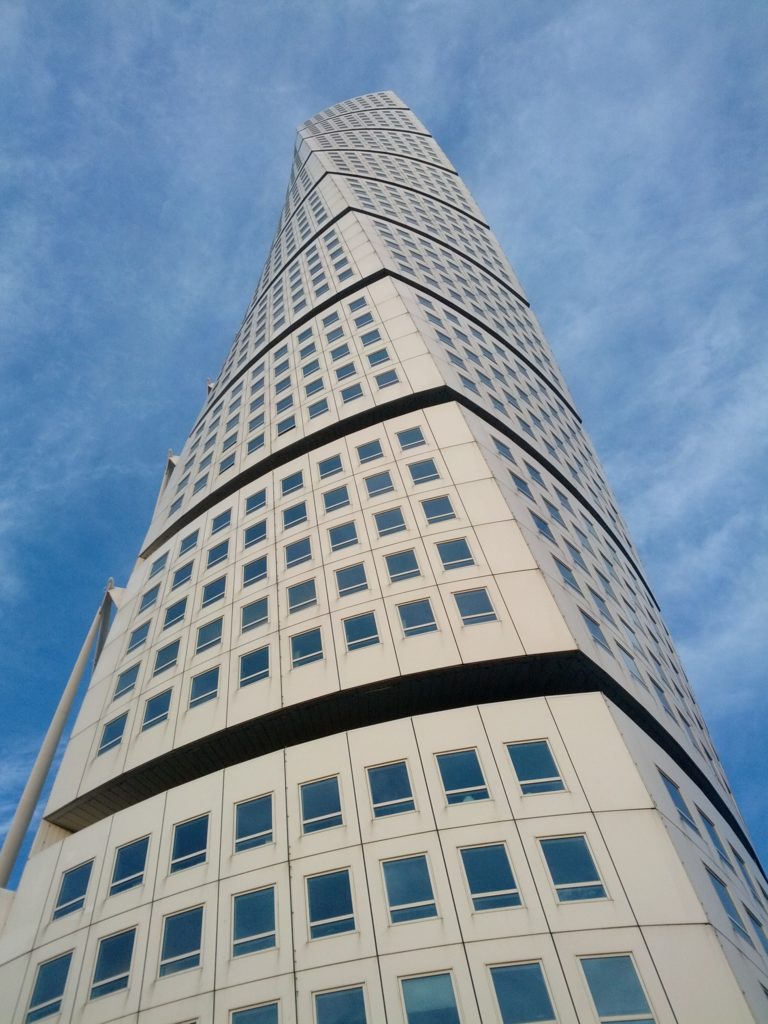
point(475, 606)
point(388, 522)
point(615, 987)
point(181, 941)
point(572, 869)
point(390, 789)
point(535, 767)
point(254, 666)
point(298, 552)
point(462, 776)
point(422, 472)
point(402, 565)
point(409, 889)
point(253, 823)
point(156, 710)
point(302, 595)
point(346, 1006)
point(490, 877)
point(253, 927)
point(50, 982)
point(130, 862)
point(438, 510)
point(417, 617)
point(455, 554)
point(166, 657)
point(330, 904)
point(266, 1014)
point(522, 994)
point(112, 733)
point(320, 805)
point(204, 687)
point(343, 536)
point(113, 962)
point(430, 1000)
point(255, 571)
point(351, 580)
point(306, 648)
point(72, 890)
point(190, 842)
point(361, 631)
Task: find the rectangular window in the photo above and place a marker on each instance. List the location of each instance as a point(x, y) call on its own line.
point(130, 864)
point(48, 990)
point(410, 438)
point(137, 637)
point(329, 899)
point(253, 823)
point(351, 579)
point(522, 995)
point(149, 598)
point(175, 613)
point(567, 576)
point(294, 515)
point(715, 838)
point(218, 553)
point(255, 501)
point(676, 796)
point(182, 939)
point(182, 575)
point(402, 565)
point(330, 466)
point(190, 843)
point(113, 963)
point(188, 543)
point(595, 631)
point(298, 552)
point(72, 890)
point(255, 571)
point(302, 595)
point(318, 408)
point(616, 990)
point(254, 666)
point(455, 554)
point(254, 614)
point(204, 687)
point(728, 905)
point(292, 482)
point(388, 522)
point(320, 805)
point(343, 1006)
point(409, 889)
point(379, 483)
point(158, 565)
point(390, 789)
point(475, 607)
point(462, 776)
point(535, 767)
point(386, 379)
point(255, 534)
point(343, 536)
point(253, 921)
point(214, 591)
point(572, 869)
point(221, 521)
point(417, 617)
point(209, 635)
point(543, 527)
point(126, 681)
point(423, 472)
point(369, 451)
point(337, 498)
point(361, 631)
point(306, 648)
point(489, 876)
point(112, 734)
point(430, 997)
point(438, 510)
point(156, 710)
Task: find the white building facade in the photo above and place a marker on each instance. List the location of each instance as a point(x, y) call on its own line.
point(387, 727)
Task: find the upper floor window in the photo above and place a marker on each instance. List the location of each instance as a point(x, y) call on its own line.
point(489, 876)
point(677, 799)
point(48, 990)
point(409, 889)
point(423, 472)
point(616, 990)
point(462, 776)
point(320, 805)
point(522, 994)
point(72, 890)
point(253, 924)
point(190, 843)
point(455, 554)
point(253, 823)
point(113, 963)
point(112, 733)
point(417, 617)
point(535, 767)
point(342, 1006)
point(438, 510)
point(329, 899)
point(410, 438)
point(430, 997)
point(130, 863)
point(572, 869)
point(390, 789)
point(475, 607)
point(182, 941)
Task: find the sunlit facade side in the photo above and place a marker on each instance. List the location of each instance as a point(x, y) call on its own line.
point(387, 726)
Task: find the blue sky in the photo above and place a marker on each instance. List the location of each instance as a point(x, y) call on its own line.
point(617, 148)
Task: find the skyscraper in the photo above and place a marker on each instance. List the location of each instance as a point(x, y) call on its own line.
point(387, 726)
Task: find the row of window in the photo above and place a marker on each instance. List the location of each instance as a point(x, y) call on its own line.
point(522, 992)
point(390, 789)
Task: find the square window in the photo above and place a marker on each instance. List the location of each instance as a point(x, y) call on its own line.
point(182, 936)
point(112, 734)
point(292, 482)
point(330, 466)
point(156, 710)
point(535, 767)
point(113, 963)
point(417, 617)
point(190, 843)
point(329, 900)
point(361, 631)
point(351, 579)
point(491, 883)
point(48, 990)
point(369, 451)
point(616, 990)
point(218, 553)
point(455, 554)
point(72, 890)
point(430, 997)
point(390, 789)
point(204, 687)
point(302, 595)
point(306, 648)
point(253, 921)
point(337, 498)
point(343, 536)
point(572, 869)
point(126, 681)
point(209, 635)
point(423, 472)
point(253, 823)
point(475, 607)
point(390, 521)
point(254, 666)
point(182, 575)
point(294, 515)
point(214, 591)
point(410, 438)
point(255, 534)
point(402, 565)
point(462, 777)
point(379, 483)
point(130, 864)
point(255, 571)
point(409, 889)
point(343, 1006)
point(320, 805)
point(438, 510)
point(298, 552)
point(522, 995)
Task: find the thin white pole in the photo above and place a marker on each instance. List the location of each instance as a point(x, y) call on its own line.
point(44, 759)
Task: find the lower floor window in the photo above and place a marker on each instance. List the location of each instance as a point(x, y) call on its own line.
point(329, 898)
point(113, 963)
point(345, 1006)
point(253, 927)
point(264, 1014)
point(430, 998)
point(521, 992)
point(182, 937)
point(409, 889)
point(616, 990)
point(50, 982)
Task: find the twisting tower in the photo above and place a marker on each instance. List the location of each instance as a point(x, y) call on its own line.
point(387, 726)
